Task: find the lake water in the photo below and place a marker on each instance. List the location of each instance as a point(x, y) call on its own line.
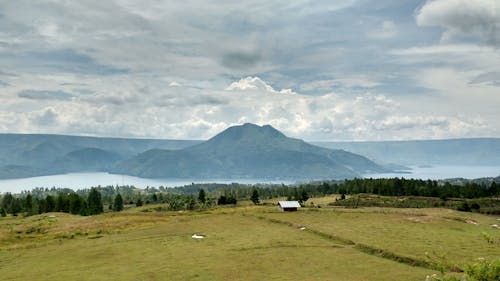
point(87, 180)
point(443, 172)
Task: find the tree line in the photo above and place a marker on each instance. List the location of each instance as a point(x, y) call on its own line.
point(70, 202)
point(196, 196)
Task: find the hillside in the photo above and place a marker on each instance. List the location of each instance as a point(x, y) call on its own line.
point(231, 153)
point(25, 155)
point(337, 243)
point(86, 159)
point(249, 151)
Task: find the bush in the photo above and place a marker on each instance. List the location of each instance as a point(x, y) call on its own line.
point(480, 271)
point(464, 208)
point(223, 200)
point(475, 206)
point(483, 271)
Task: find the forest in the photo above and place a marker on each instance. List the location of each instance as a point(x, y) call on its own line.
point(419, 193)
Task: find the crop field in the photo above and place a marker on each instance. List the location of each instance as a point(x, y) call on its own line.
point(246, 243)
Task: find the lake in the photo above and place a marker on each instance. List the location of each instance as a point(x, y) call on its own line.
point(443, 172)
point(87, 180)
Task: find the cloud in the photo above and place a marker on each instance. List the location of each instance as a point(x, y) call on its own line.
point(255, 83)
point(181, 69)
point(4, 84)
point(387, 30)
point(240, 60)
point(489, 78)
point(44, 95)
point(449, 66)
point(82, 91)
point(136, 109)
point(480, 18)
point(56, 61)
point(460, 56)
point(347, 82)
point(47, 117)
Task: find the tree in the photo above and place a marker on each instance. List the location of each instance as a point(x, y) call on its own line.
point(50, 204)
point(255, 197)
point(118, 203)
point(191, 203)
point(84, 211)
point(304, 196)
point(75, 204)
point(222, 200)
point(202, 196)
point(15, 206)
point(226, 200)
point(94, 202)
point(28, 204)
point(7, 202)
point(62, 203)
point(3, 213)
point(138, 203)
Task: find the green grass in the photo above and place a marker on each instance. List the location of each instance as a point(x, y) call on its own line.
point(243, 243)
point(432, 235)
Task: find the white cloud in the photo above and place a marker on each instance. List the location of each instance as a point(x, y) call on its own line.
point(255, 83)
point(47, 117)
point(463, 18)
point(124, 107)
point(466, 66)
point(164, 69)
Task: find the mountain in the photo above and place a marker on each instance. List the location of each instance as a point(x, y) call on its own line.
point(240, 151)
point(19, 171)
point(27, 155)
point(473, 152)
point(249, 151)
point(86, 159)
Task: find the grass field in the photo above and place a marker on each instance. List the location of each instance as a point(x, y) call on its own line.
point(244, 243)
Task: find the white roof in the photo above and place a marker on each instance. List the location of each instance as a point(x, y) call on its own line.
point(289, 204)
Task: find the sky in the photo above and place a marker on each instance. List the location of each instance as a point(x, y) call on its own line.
point(317, 70)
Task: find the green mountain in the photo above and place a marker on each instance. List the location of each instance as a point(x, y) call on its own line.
point(249, 151)
point(86, 159)
point(28, 155)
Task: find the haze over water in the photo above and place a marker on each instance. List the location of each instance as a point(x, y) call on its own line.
point(87, 180)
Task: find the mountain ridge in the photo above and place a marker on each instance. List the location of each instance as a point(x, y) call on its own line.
point(249, 151)
point(26, 155)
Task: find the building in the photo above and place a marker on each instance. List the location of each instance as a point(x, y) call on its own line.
point(289, 206)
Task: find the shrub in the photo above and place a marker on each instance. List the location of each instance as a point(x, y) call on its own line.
point(483, 271)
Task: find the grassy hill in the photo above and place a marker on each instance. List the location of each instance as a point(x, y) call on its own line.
point(245, 243)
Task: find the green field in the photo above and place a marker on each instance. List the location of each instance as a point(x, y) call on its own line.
point(245, 243)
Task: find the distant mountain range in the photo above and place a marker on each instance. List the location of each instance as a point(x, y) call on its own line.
point(246, 151)
point(473, 152)
point(26, 155)
point(249, 151)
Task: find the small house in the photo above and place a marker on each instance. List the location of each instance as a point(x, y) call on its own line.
point(289, 206)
